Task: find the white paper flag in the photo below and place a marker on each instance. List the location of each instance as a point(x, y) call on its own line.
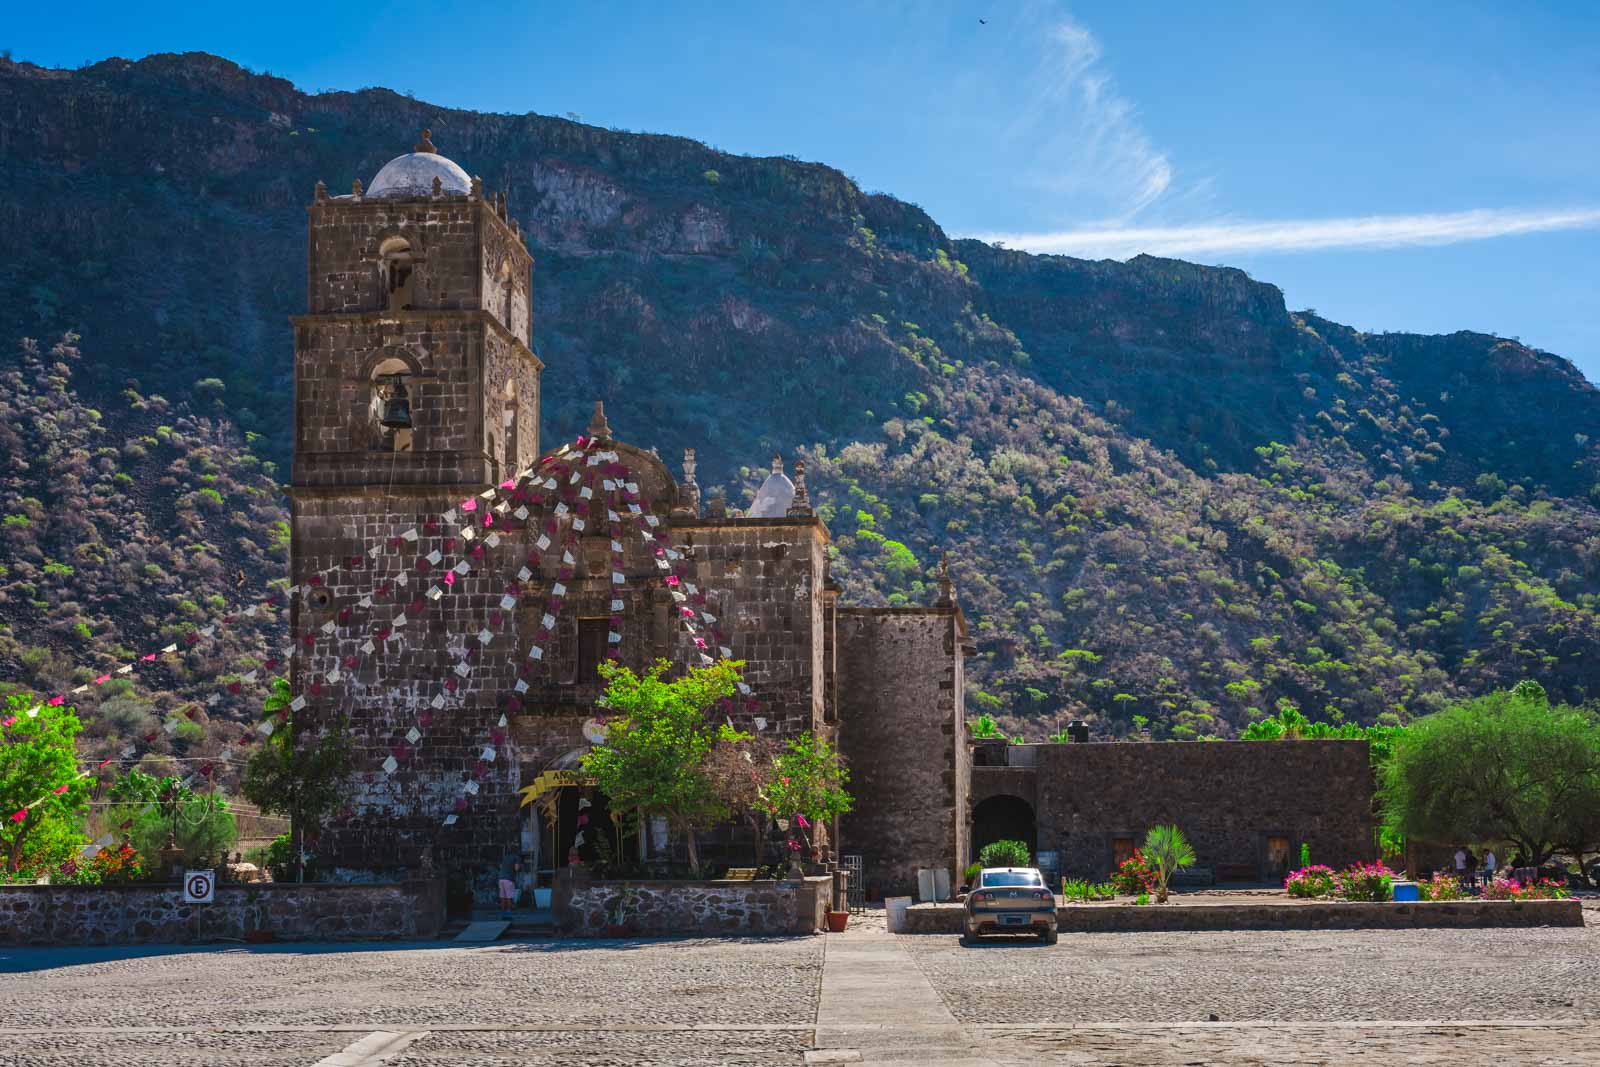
point(484, 636)
point(562, 509)
point(612, 516)
point(364, 602)
point(390, 765)
point(368, 648)
point(449, 516)
point(450, 820)
point(488, 754)
point(616, 606)
point(578, 524)
point(502, 721)
point(471, 788)
point(543, 542)
point(521, 513)
point(435, 556)
point(266, 728)
point(706, 615)
point(462, 669)
point(617, 578)
point(410, 535)
point(650, 520)
point(493, 540)
point(508, 602)
point(614, 638)
point(727, 653)
point(170, 725)
point(536, 652)
point(547, 620)
point(402, 579)
point(169, 650)
point(297, 703)
point(328, 627)
point(398, 621)
point(468, 533)
point(334, 675)
point(434, 592)
point(437, 702)
point(745, 689)
point(521, 686)
point(462, 568)
point(413, 735)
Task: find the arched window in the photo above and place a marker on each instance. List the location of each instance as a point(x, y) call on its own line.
point(397, 267)
point(390, 407)
point(509, 426)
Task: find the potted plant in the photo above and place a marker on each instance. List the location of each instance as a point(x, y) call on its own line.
point(837, 921)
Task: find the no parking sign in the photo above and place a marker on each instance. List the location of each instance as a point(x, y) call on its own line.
point(199, 887)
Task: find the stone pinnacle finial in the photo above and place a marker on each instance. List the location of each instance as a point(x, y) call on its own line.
point(947, 587)
point(800, 506)
point(598, 426)
point(321, 192)
point(688, 466)
point(438, 186)
point(477, 188)
point(777, 463)
point(689, 491)
point(355, 187)
point(426, 144)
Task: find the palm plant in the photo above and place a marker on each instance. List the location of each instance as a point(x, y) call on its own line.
point(1166, 849)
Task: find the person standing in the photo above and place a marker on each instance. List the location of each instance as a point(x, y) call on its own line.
point(1461, 863)
point(510, 864)
point(1488, 866)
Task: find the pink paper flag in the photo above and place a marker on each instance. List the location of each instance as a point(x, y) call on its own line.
point(19, 815)
point(103, 679)
point(61, 788)
point(56, 702)
point(469, 505)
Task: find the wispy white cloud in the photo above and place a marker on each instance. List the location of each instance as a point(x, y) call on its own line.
point(1290, 236)
point(1083, 138)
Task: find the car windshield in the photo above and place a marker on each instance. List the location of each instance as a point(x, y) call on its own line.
point(1008, 878)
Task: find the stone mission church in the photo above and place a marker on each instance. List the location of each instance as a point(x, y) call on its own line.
point(463, 656)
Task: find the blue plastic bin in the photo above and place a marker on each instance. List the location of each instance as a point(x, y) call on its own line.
point(1406, 891)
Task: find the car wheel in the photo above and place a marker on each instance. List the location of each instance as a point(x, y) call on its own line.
point(969, 940)
point(1048, 936)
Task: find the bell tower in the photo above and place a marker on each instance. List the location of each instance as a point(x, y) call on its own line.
point(414, 389)
point(412, 365)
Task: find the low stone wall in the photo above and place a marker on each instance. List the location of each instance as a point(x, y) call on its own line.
point(1329, 915)
point(142, 914)
point(689, 909)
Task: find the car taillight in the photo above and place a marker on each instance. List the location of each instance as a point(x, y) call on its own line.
point(1045, 894)
point(978, 898)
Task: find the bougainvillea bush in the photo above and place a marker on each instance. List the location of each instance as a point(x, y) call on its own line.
point(1365, 881)
point(1511, 889)
point(1135, 875)
point(1313, 881)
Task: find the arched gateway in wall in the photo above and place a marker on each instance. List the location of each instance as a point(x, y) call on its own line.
point(1003, 817)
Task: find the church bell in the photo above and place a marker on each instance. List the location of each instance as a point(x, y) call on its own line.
point(397, 406)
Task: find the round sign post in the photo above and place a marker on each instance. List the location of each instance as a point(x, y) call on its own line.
point(199, 887)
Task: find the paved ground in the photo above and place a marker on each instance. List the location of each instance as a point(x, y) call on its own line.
point(1442, 996)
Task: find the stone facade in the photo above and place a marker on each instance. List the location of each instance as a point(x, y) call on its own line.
point(435, 289)
point(686, 909)
point(143, 914)
point(1230, 799)
point(902, 721)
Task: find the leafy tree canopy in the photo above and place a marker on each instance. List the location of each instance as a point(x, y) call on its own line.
point(39, 782)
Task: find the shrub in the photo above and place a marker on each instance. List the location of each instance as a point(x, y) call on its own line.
point(1004, 854)
point(1443, 886)
point(1168, 852)
point(1311, 881)
point(1511, 889)
point(1365, 881)
point(1134, 875)
point(970, 875)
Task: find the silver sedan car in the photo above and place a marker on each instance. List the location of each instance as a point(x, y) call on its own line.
point(1007, 900)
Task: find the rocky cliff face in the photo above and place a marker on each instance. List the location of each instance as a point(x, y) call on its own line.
point(1167, 495)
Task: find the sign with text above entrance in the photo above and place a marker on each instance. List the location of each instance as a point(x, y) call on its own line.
point(199, 887)
point(554, 780)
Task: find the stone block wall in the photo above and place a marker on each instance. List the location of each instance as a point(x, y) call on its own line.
point(902, 728)
point(693, 909)
point(1227, 797)
point(156, 914)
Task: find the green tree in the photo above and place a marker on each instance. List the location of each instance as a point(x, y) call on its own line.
point(40, 787)
point(1509, 766)
point(296, 773)
point(807, 783)
point(1168, 851)
point(654, 757)
point(1004, 854)
point(165, 810)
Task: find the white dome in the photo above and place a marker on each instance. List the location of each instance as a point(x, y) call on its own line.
point(412, 175)
point(773, 498)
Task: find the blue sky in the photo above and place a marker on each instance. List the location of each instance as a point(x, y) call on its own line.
point(1416, 170)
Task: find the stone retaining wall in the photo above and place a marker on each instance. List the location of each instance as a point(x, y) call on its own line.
point(1330, 915)
point(156, 914)
point(688, 909)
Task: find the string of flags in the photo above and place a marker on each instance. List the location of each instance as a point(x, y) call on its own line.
point(580, 481)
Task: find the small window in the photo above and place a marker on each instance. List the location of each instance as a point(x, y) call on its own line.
point(1277, 857)
point(593, 635)
point(1121, 851)
point(398, 268)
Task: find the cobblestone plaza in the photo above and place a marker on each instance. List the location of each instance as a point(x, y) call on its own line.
point(1429, 996)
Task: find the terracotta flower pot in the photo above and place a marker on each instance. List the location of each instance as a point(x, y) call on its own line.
point(837, 920)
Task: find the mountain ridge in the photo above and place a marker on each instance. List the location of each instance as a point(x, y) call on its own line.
point(1099, 443)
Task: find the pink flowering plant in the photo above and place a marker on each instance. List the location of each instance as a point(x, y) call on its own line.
point(1504, 888)
point(1315, 880)
point(1443, 886)
point(1365, 881)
